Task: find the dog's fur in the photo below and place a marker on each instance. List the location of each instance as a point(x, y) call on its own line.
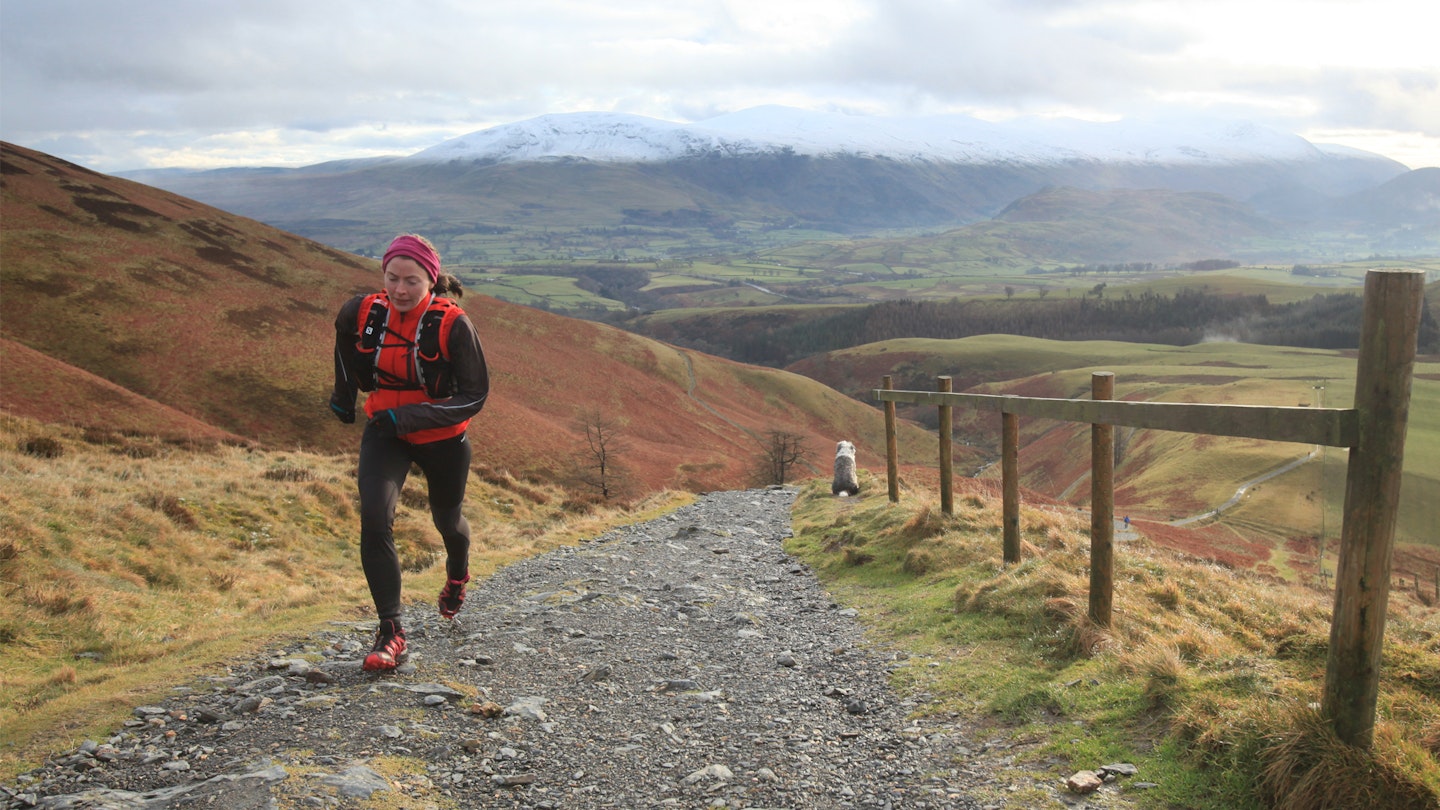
point(845, 482)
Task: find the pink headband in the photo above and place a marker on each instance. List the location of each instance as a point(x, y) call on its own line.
point(411, 247)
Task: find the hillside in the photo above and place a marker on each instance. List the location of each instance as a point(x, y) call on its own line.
point(1195, 308)
point(185, 352)
point(38, 384)
point(218, 326)
point(1165, 476)
point(1201, 684)
point(1146, 225)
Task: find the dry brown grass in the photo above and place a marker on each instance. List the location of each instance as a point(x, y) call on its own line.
point(1162, 667)
point(123, 573)
point(1226, 662)
point(1307, 767)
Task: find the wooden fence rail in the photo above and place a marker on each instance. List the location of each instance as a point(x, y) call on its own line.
point(1373, 430)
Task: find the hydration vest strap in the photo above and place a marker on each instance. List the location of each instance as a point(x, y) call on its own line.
point(373, 316)
point(433, 341)
point(428, 358)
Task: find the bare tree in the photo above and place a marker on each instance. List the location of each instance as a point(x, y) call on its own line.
point(1123, 437)
point(598, 466)
point(779, 452)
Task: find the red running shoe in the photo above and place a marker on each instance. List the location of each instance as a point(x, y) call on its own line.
point(389, 647)
point(452, 596)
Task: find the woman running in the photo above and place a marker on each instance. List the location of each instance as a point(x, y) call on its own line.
point(417, 354)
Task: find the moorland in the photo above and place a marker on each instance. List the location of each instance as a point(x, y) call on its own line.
point(175, 358)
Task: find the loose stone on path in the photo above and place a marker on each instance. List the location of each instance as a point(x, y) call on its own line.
point(683, 662)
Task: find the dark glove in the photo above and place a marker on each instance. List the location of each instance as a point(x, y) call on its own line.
point(383, 423)
point(344, 414)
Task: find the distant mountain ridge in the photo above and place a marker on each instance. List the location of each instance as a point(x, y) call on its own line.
point(936, 138)
point(791, 168)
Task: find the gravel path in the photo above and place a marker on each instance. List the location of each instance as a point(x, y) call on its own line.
point(684, 662)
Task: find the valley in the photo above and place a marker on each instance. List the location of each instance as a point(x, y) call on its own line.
point(1018, 302)
point(1283, 525)
point(165, 362)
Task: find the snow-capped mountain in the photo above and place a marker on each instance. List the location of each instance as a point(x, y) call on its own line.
point(787, 167)
point(616, 137)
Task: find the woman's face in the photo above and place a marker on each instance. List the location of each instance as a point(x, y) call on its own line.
point(406, 282)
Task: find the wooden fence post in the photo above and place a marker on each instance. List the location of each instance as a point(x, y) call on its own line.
point(947, 471)
point(1384, 368)
point(1102, 505)
point(1010, 483)
point(892, 461)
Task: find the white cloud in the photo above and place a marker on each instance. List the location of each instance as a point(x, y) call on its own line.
point(109, 84)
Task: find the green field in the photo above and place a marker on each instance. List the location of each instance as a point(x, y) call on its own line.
point(552, 292)
point(1171, 476)
point(855, 271)
point(663, 281)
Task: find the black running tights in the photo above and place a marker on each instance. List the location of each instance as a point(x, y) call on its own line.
point(384, 463)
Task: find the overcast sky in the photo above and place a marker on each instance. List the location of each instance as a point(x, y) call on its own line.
point(205, 83)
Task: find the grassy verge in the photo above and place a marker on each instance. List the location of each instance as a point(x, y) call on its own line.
point(128, 565)
point(1208, 679)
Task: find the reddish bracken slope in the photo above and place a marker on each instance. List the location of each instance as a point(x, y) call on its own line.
point(148, 312)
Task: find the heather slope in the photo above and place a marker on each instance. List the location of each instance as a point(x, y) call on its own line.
point(229, 323)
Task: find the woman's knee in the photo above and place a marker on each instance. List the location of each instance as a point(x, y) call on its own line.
point(378, 498)
point(450, 521)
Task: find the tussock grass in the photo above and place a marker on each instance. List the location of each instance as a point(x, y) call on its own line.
point(1206, 679)
point(128, 565)
point(1306, 766)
